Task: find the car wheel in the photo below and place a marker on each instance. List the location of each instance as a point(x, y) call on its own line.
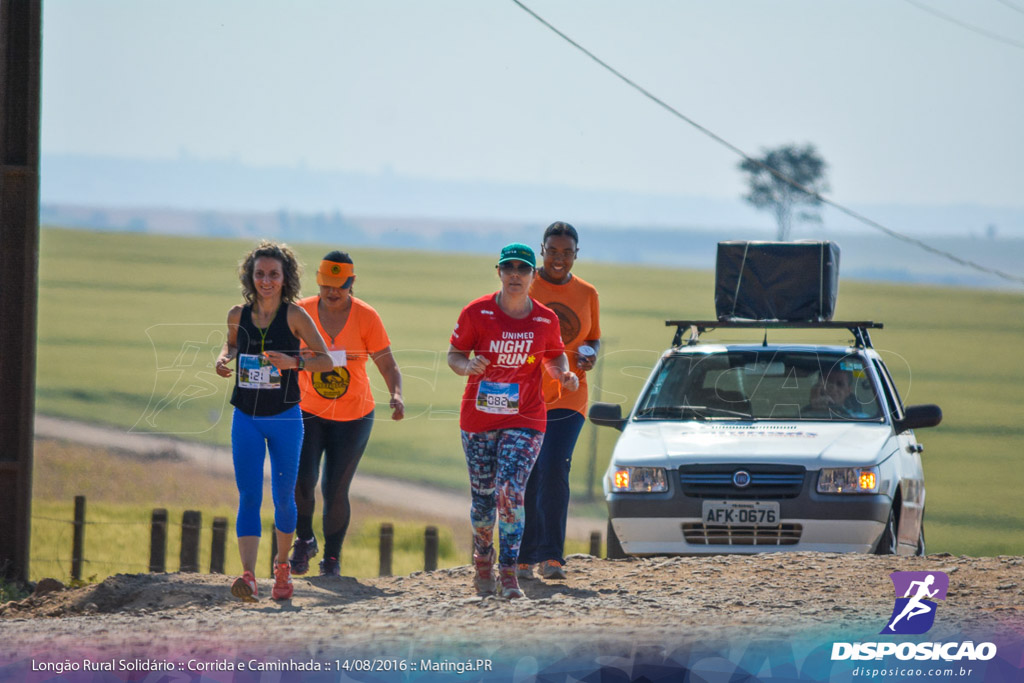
point(613, 551)
point(887, 544)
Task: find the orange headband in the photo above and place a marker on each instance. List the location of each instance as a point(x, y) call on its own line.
point(333, 274)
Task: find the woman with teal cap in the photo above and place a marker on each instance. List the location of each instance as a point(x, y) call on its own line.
point(503, 342)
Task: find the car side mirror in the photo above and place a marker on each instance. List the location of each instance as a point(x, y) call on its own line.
point(607, 415)
point(915, 417)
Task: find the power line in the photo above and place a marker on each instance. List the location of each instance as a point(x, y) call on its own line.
point(1012, 6)
point(781, 176)
point(970, 27)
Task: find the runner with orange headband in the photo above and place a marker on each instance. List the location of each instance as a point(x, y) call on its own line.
point(337, 409)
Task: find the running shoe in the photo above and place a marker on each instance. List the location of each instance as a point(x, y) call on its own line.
point(483, 580)
point(282, 582)
point(244, 588)
point(302, 550)
point(525, 571)
point(509, 584)
point(330, 566)
point(552, 569)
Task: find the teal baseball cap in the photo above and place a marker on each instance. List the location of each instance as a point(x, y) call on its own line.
point(517, 251)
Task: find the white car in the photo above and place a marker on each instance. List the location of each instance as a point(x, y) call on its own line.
point(744, 448)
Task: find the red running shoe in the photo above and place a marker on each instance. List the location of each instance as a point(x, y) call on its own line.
point(509, 584)
point(283, 588)
point(483, 581)
point(244, 588)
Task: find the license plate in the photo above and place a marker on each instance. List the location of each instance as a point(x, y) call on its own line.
point(740, 513)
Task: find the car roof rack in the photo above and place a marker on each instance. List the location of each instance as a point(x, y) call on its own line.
point(698, 327)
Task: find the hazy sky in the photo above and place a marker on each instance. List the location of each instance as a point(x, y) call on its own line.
point(904, 106)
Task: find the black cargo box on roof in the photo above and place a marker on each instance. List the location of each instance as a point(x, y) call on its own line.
point(793, 281)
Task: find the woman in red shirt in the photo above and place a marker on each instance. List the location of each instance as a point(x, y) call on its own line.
point(501, 343)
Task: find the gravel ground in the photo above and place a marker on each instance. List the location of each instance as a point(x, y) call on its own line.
point(604, 606)
point(606, 611)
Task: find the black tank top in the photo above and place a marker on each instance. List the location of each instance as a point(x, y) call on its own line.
point(260, 389)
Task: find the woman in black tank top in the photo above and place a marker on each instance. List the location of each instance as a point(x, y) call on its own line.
point(263, 338)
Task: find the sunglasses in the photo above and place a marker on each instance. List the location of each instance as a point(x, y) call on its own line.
point(516, 267)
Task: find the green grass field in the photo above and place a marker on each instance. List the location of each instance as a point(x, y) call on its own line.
point(130, 325)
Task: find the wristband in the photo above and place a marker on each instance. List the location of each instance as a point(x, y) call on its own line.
point(302, 363)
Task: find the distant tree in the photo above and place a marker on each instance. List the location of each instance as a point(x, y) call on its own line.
point(775, 192)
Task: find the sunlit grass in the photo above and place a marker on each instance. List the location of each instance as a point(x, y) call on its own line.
point(129, 326)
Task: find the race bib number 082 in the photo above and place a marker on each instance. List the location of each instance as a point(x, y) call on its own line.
point(498, 398)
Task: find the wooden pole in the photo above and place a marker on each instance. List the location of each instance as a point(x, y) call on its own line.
point(218, 547)
point(20, 59)
point(78, 541)
point(430, 549)
point(387, 543)
point(158, 541)
point(191, 525)
point(595, 396)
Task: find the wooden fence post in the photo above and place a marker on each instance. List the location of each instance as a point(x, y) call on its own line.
point(219, 545)
point(595, 543)
point(158, 541)
point(273, 549)
point(387, 544)
point(430, 549)
point(78, 540)
point(191, 524)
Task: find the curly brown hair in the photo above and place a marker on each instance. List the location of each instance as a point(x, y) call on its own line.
point(290, 289)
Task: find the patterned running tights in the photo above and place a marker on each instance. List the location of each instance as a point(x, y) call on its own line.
point(499, 467)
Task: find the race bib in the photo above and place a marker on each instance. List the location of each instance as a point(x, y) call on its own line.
point(340, 358)
point(256, 372)
point(497, 398)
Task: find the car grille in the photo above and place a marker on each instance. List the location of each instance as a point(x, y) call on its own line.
point(723, 534)
point(766, 481)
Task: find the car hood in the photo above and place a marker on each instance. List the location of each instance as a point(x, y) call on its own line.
point(810, 444)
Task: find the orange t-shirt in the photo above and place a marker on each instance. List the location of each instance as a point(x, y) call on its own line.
point(575, 303)
point(344, 393)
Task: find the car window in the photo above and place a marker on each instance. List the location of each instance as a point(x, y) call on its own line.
point(770, 385)
point(892, 397)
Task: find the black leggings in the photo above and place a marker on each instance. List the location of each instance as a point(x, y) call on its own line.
point(341, 444)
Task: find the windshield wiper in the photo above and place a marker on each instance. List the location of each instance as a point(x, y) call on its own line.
point(681, 411)
point(689, 411)
point(729, 411)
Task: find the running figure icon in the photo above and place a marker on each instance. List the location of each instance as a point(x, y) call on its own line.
point(915, 606)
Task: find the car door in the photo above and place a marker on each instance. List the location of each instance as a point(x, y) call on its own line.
point(909, 467)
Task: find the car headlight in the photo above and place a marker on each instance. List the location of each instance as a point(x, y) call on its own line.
point(848, 480)
point(639, 480)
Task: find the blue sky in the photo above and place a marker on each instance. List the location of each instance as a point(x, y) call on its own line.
point(904, 105)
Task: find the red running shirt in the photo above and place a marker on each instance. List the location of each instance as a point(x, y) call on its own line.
point(508, 394)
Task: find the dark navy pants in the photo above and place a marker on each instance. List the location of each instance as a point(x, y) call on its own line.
point(547, 492)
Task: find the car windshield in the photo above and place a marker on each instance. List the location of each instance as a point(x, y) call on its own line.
point(762, 385)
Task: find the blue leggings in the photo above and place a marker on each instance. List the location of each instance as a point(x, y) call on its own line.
point(499, 466)
point(251, 438)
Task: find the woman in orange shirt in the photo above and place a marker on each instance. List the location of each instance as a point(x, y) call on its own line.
point(337, 408)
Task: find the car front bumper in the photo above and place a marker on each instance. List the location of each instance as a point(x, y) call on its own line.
point(671, 523)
